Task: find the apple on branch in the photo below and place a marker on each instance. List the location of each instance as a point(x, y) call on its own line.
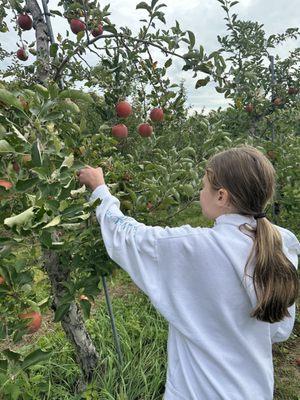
point(123, 109)
point(145, 130)
point(77, 26)
point(119, 131)
point(157, 114)
point(24, 21)
point(22, 54)
point(98, 31)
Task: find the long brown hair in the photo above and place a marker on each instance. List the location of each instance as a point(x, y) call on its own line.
point(249, 178)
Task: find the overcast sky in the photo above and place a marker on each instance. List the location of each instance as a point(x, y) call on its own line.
point(204, 17)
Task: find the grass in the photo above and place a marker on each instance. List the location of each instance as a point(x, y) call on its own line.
point(143, 336)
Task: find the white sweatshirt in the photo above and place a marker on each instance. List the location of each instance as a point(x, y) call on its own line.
point(194, 278)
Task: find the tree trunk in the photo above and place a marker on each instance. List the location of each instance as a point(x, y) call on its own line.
point(72, 321)
point(42, 40)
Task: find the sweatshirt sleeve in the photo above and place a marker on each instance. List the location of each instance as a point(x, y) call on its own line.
point(283, 329)
point(132, 245)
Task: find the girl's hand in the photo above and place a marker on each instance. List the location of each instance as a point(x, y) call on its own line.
point(91, 177)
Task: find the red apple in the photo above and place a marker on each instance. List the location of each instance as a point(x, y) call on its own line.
point(277, 101)
point(77, 26)
point(24, 21)
point(22, 54)
point(249, 108)
point(2, 280)
point(98, 31)
point(119, 131)
point(145, 130)
point(35, 321)
point(297, 361)
point(5, 184)
point(123, 109)
point(149, 205)
point(293, 90)
point(157, 114)
point(16, 167)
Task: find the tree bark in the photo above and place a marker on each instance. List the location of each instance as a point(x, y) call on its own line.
point(42, 40)
point(72, 322)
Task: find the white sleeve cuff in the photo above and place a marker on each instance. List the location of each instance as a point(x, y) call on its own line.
point(100, 192)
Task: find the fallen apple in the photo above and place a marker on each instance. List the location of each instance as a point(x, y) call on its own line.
point(35, 321)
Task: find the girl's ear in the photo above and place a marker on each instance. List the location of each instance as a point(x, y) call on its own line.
point(223, 195)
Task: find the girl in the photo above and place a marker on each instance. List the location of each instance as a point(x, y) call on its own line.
point(228, 292)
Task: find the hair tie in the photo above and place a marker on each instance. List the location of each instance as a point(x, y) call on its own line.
point(260, 215)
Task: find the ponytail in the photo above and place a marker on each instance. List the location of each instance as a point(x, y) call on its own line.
point(275, 278)
point(249, 178)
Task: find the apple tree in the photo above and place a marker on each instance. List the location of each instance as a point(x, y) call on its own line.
point(49, 129)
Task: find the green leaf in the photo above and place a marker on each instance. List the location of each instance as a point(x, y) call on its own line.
point(202, 82)
point(80, 35)
point(143, 5)
point(35, 357)
point(41, 90)
point(68, 161)
point(61, 310)
point(53, 49)
point(192, 39)
point(3, 365)
point(9, 99)
point(46, 239)
point(11, 355)
point(153, 2)
point(20, 219)
point(24, 185)
point(168, 63)
point(204, 68)
point(54, 222)
point(55, 12)
point(111, 29)
point(69, 105)
point(53, 90)
point(86, 308)
point(75, 95)
point(36, 154)
point(5, 147)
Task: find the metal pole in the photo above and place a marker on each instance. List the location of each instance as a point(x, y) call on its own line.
point(275, 206)
point(50, 30)
point(112, 320)
point(273, 81)
point(48, 22)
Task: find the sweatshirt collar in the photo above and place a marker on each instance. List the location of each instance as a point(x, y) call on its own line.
point(235, 219)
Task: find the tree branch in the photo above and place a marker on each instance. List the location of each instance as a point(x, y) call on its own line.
point(88, 43)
